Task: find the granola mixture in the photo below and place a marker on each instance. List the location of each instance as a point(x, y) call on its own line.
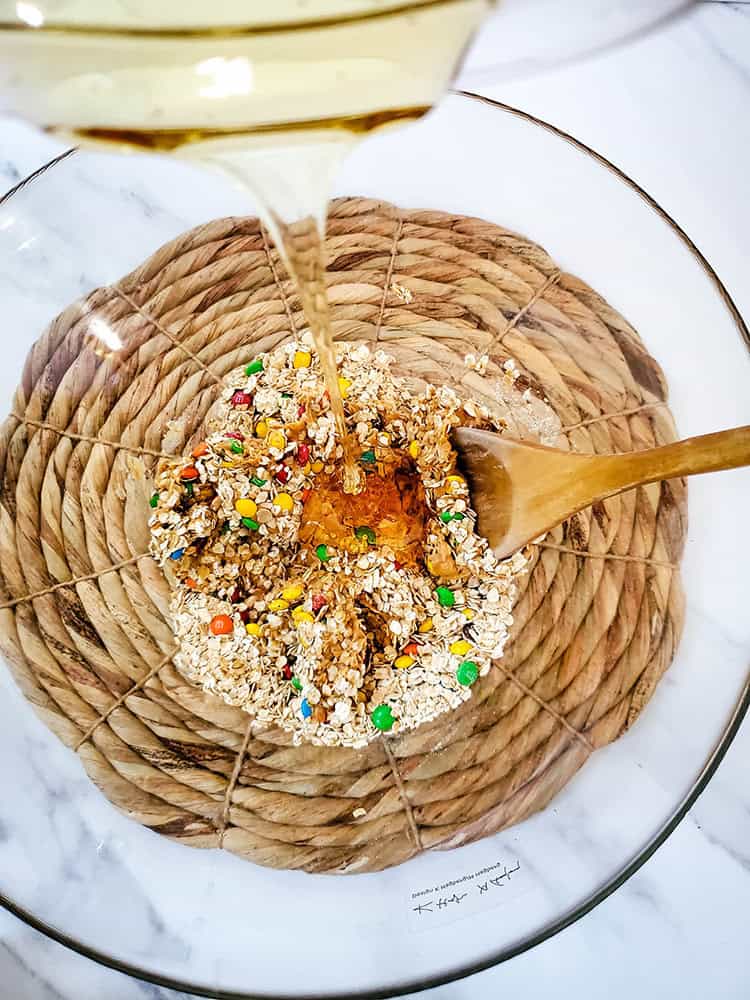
point(333, 616)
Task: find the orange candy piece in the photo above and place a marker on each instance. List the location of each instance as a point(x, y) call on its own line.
point(200, 450)
point(221, 625)
point(190, 582)
point(411, 649)
point(189, 473)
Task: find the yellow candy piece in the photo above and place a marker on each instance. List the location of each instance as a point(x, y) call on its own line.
point(344, 384)
point(302, 359)
point(306, 469)
point(468, 613)
point(460, 648)
point(246, 508)
point(317, 466)
point(414, 449)
point(302, 616)
point(283, 501)
point(426, 625)
point(252, 628)
point(402, 662)
point(292, 592)
point(261, 429)
point(277, 439)
point(278, 604)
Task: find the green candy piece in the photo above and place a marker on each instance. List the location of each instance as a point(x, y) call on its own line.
point(296, 683)
point(322, 553)
point(254, 367)
point(225, 527)
point(237, 448)
point(257, 481)
point(286, 395)
point(250, 523)
point(446, 597)
point(467, 673)
point(458, 516)
point(154, 501)
point(368, 456)
point(364, 531)
point(446, 516)
point(190, 489)
point(382, 718)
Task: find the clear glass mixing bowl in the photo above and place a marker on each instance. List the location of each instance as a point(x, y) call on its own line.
point(76, 868)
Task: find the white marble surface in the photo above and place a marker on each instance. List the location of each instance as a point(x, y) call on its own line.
point(672, 110)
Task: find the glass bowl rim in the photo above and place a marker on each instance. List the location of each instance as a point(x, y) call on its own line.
point(647, 850)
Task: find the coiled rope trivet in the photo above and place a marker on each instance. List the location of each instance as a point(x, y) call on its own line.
point(84, 608)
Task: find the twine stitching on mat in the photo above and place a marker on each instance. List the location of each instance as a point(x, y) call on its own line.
point(88, 439)
point(388, 276)
point(233, 782)
point(606, 555)
point(73, 581)
point(277, 281)
point(498, 337)
point(612, 416)
point(122, 699)
point(547, 708)
point(413, 828)
point(170, 336)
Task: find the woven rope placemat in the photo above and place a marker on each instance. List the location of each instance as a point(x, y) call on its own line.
point(128, 375)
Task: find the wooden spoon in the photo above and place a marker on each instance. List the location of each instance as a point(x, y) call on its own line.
point(522, 490)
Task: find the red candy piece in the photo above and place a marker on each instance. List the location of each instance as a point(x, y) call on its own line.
point(300, 409)
point(245, 616)
point(221, 625)
point(303, 454)
point(305, 494)
point(411, 649)
point(397, 564)
point(241, 399)
point(234, 434)
point(318, 602)
point(283, 474)
point(287, 672)
point(236, 596)
point(189, 473)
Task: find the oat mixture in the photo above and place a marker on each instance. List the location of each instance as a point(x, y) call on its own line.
point(333, 616)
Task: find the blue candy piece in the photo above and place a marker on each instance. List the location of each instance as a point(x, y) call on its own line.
point(177, 554)
point(305, 709)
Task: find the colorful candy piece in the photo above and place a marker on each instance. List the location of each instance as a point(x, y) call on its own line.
point(460, 647)
point(318, 602)
point(322, 553)
point(283, 475)
point(411, 649)
point(240, 398)
point(368, 457)
point(254, 367)
point(245, 616)
point(300, 615)
point(234, 435)
point(302, 359)
point(296, 683)
point(364, 531)
point(403, 662)
point(446, 597)
point(305, 494)
point(303, 453)
point(305, 709)
point(236, 448)
point(292, 592)
point(189, 489)
point(190, 582)
point(317, 467)
point(446, 516)
point(251, 523)
point(426, 626)
point(277, 439)
point(286, 672)
point(467, 673)
point(467, 613)
point(261, 429)
point(246, 507)
point(257, 481)
point(283, 501)
point(221, 625)
point(200, 450)
point(344, 384)
point(278, 604)
point(154, 501)
point(253, 629)
point(177, 554)
point(414, 449)
point(189, 474)
point(382, 718)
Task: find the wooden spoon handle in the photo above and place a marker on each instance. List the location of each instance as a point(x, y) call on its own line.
point(707, 453)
